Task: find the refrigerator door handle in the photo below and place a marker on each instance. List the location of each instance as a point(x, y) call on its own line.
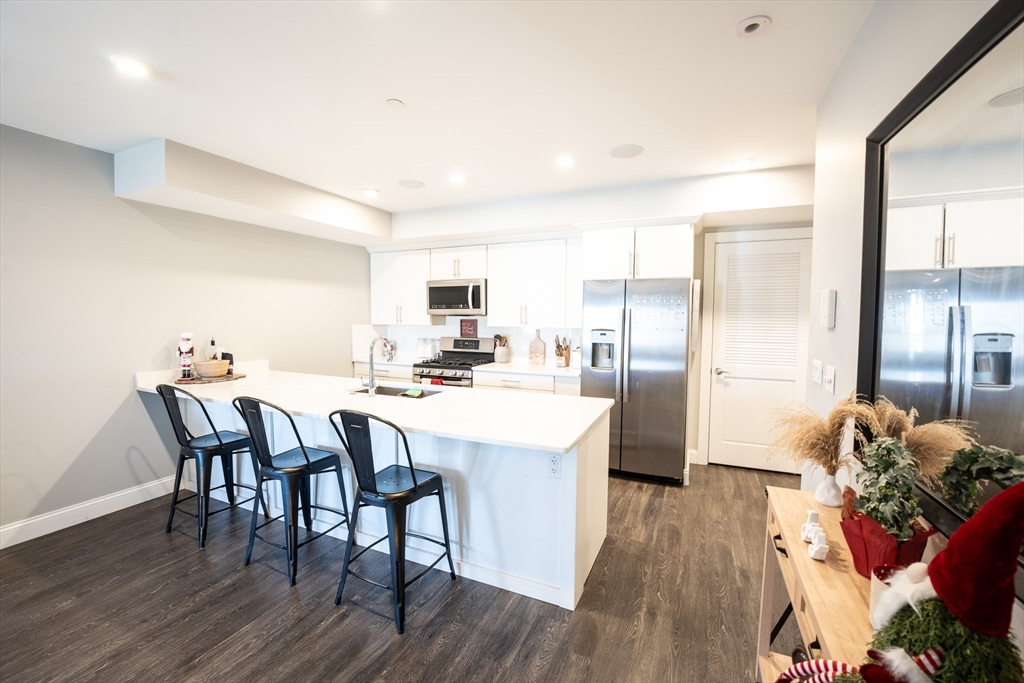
point(968, 364)
point(625, 355)
point(956, 361)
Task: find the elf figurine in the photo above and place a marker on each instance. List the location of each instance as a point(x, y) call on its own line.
point(948, 621)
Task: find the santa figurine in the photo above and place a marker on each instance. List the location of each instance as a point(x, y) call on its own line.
point(185, 352)
point(948, 621)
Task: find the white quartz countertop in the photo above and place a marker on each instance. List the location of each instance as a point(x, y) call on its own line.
point(536, 421)
point(522, 366)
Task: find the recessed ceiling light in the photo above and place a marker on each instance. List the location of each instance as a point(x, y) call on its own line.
point(411, 184)
point(1008, 99)
point(743, 164)
point(456, 178)
point(626, 151)
point(751, 26)
point(395, 104)
point(370, 193)
point(130, 66)
point(564, 161)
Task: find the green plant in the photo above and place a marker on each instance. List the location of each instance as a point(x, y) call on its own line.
point(888, 486)
point(969, 466)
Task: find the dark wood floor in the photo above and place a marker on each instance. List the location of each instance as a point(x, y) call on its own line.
point(674, 596)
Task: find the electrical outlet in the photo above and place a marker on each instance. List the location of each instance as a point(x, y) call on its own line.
point(830, 379)
point(555, 467)
point(816, 371)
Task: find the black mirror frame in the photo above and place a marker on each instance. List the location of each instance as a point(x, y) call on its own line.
point(1004, 17)
point(997, 23)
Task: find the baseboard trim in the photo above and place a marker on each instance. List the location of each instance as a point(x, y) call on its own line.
point(49, 522)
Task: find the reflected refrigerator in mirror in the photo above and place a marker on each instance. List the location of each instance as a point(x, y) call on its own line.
point(953, 346)
point(635, 353)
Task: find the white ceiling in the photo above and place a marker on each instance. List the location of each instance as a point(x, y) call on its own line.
point(494, 90)
point(961, 116)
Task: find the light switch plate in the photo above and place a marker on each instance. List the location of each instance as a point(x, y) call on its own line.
point(830, 379)
point(816, 371)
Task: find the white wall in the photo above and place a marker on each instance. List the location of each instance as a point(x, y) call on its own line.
point(779, 187)
point(897, 45)
point(95, 288)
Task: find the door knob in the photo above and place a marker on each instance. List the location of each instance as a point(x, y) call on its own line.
point(720, 371)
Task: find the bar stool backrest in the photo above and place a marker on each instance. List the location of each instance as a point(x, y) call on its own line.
point(169, 394)
point(359, 445)
point(251, 410)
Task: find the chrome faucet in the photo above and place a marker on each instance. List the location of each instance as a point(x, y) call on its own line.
point(371, 390)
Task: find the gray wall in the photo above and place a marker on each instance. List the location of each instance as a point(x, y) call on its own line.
point(94, 288)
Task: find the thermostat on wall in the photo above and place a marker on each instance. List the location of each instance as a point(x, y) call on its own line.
point(827, 309)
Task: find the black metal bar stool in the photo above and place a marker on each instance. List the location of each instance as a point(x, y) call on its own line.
point(292, 469)
point(202, 449)
point(394, 488)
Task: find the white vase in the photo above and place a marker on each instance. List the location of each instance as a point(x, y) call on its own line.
point(828, 492)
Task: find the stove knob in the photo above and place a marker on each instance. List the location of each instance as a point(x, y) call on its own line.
point(452, 373)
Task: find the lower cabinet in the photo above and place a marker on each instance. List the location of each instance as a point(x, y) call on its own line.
point(361, 370)
point(511, 380)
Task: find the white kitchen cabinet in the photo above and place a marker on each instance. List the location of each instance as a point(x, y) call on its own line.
point(655, 251)
point(453, 263)
point(526, 284)
point(663, 251)
point(574, 283)
point(608, 254)
point(985, 234)
point(382, 371)
point(515, 381)
point(913, 238)
point(398, 287)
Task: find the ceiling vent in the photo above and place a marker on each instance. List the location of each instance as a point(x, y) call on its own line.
point(751, 26)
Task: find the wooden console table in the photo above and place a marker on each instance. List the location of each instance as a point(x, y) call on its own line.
point(829, 599)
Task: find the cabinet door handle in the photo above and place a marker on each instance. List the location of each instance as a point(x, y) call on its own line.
point(775, 540)
point(636, 264)
point(511, 381)
point(526, 315)
point(396, 314)
point(521, 315)
point(938, 250)
point(951, 249)
point(629, 263)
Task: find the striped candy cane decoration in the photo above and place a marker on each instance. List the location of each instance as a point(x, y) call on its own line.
point(824, 670)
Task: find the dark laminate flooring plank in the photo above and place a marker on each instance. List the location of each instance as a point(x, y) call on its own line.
point(674, 596)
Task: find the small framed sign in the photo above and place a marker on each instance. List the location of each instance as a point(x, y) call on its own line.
point(467, 327)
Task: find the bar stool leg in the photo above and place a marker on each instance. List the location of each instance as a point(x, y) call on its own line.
point(177, 487)
point(396, 541)
point(307, 518)
point(348, 550)
point(255, 516)
point(204, 466)
point(227, 464)
point(444, 528)
point(341, 487)
point(290, 493)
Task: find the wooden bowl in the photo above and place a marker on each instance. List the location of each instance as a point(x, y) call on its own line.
point(210, 369)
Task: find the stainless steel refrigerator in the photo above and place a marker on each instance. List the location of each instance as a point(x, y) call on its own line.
point(635, 352)
point(952, 343)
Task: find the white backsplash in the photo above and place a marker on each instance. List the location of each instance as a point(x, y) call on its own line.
point(519, 338)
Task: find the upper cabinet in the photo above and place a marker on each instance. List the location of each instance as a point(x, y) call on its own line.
point(608, 254)
point(913, 238)
point(526, 284)
point(963, 234)
point(574, 282)
point(657, 251)
point(398, 287)
point(985, 234)
point(663, 251)
point(454, 263)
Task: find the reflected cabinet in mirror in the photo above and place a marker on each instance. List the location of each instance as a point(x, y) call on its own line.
point(942, 321)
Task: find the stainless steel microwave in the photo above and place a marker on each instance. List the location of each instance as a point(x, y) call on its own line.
point(457, 297)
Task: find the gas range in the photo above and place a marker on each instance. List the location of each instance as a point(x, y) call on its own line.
point(459, 355)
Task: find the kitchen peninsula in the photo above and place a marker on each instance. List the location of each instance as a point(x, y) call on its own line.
point(526, 474)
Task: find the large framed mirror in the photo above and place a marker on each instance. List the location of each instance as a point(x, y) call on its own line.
point(942, 295)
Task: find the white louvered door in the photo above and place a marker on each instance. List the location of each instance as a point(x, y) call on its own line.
point(759, 347)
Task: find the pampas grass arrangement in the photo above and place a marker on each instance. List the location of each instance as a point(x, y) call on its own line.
point(808, 438)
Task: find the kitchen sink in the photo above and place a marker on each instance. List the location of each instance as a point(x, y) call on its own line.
point(395, 391)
